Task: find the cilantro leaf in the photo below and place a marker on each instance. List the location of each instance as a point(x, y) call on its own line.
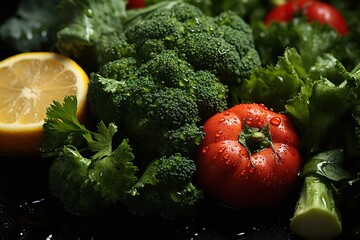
point(90, 181)
point(61, 127)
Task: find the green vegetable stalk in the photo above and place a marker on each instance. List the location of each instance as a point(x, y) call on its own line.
point(316, 215)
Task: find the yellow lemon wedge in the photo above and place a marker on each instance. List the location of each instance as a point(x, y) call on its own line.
point(29, 83)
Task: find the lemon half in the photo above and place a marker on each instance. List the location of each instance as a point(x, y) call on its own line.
point(29, 83)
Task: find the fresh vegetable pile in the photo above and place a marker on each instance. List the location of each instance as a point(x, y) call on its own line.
point(240, 102)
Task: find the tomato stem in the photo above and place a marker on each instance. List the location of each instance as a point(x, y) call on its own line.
point(256, 139)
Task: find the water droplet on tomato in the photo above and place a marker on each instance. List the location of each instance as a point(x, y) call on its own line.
point(226, 157)
point(218, 135)
point(275, 121)
point(221, 120)
point(249, 120)
point(221, 150)
point(263, 106)
point(243, 172)
point(226, 113)
point(205, 149)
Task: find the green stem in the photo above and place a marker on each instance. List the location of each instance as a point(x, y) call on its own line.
point(316, 216)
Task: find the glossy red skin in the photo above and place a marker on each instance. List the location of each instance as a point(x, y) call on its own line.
point(135, 4)
point(325, 13)
point(224, 169)
point(312, 10)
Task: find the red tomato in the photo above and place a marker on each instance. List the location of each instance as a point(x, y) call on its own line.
point(325, 13)
point(135, 4)
point(240, 172)
point(312, 10)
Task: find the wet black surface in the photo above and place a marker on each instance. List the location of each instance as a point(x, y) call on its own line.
point(29, 211)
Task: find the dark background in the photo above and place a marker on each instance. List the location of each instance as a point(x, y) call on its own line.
point(29, 211)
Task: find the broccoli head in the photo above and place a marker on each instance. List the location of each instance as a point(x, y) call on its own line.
point(165, 188)
point(165, 76)
point(174, 68)
point(160, 112)
point(216, 44)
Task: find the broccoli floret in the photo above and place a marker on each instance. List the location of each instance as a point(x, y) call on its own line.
point(150, 49)
point(112, 99)
point(167, 69)
point(167, 109)
point(117, 48)
point(165, 188)
point(183, 140)
point(171, 108)
point(121, 68)
point(211, 98)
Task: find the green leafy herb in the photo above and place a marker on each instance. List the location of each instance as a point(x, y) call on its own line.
point(86, 184)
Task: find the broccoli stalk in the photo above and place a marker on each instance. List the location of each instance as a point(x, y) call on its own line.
point(317, 211)
point(316, 215)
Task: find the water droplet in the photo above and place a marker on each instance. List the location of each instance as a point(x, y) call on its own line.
point(89, 13)
point(263, 106)
point(205, 149)
point(249, 120)
point(226, 157)
point(221, 120)
point(275, 121)
point(218, 135)
point(240, 234)
point(221, 150)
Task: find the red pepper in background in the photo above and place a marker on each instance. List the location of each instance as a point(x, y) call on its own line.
point(312, 10)
point(135, 4)
point(249, 157)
